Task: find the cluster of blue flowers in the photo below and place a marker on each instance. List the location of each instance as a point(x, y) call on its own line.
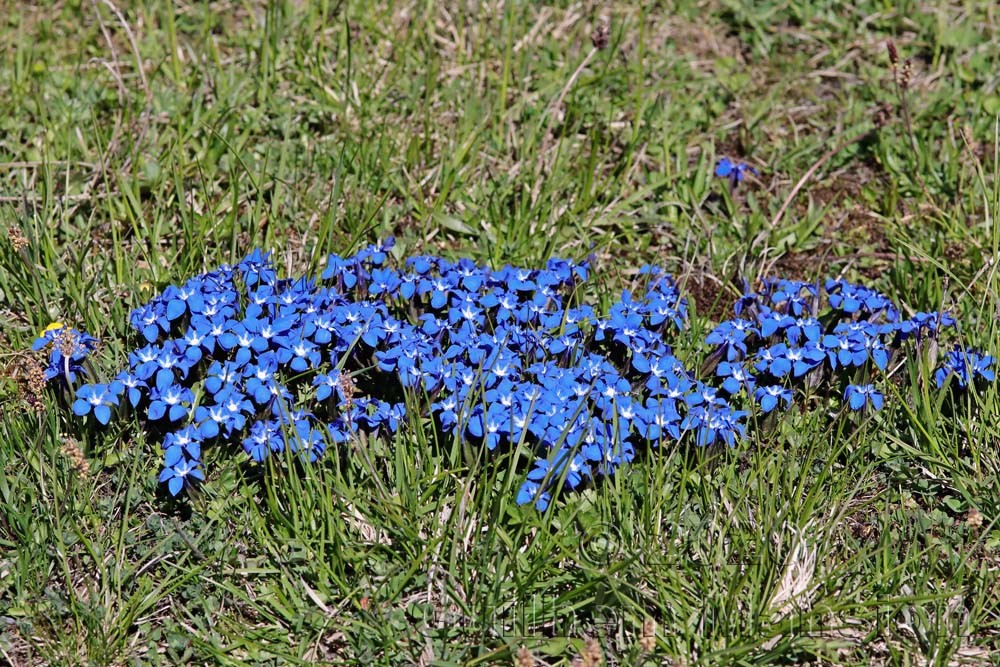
point(791, 335)
point(966, 366)
point(508, 360)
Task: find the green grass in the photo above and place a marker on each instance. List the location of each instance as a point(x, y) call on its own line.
point(143, 143)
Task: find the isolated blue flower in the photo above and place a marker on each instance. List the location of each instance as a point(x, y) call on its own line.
point(806, 358)
point(711, 423)
point(327, 383)
point(877, 351)
point(850, 298)
point(846, 350)
point(299, 353)
point(923, 325)
point(773, 360)
point(186, 441)
point(221, 375)
point(264, 438)
point(563, 464)
point(658, 420)
point(734, 171)
point(151, 320)
point(173, 363)
point(262, 379)
point(236, 408)
point(256, 269)
point(308, 439)
point(133, 385)
point(803, 330)
point(730, 337)
point(773, 322)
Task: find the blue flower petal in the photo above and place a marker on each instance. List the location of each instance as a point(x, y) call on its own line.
point(103, 413)
point(175, 485)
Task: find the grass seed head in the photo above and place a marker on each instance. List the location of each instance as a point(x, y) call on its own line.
point(29, 376)
point(66, 342)
point(647, 642)
point(523, 658)
point(592, 655)
point(907, 75)
point(601, 35)
point(16, 238)
point(72, 451)
point(348, 388)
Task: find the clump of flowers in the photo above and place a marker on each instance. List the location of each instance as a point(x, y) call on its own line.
point(505, 360)
point(837, 338)
point(967, 366)
point(498, 358)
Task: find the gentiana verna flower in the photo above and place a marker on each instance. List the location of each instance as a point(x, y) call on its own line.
point(734, 171)
point(861, 397)
point(770, 397)
point(99, 399)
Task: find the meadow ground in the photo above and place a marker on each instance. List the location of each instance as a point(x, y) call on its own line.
point(143, 143)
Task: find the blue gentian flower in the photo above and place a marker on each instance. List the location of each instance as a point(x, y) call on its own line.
point(730, 337)
point(847, 349)
point(736, 377)
point(773, 322)
point(859, 397)
point(187, 441)
point(222, 375)
point(134, 386)
point(180, 474)
point(769, 397)
point(531, 492)
point(172, 401)
point(774, 360)
point(734, 171)
point(99, 399)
